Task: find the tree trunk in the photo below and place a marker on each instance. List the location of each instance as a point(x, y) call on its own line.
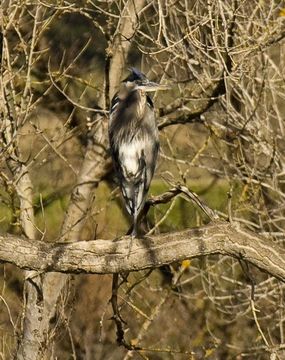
point(36, 344)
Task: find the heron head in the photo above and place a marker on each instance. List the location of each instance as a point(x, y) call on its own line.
point(138, 81)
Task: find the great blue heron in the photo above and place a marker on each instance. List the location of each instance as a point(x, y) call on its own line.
point(134, 142)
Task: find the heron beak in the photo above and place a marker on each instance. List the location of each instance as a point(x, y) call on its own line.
point(152, 86)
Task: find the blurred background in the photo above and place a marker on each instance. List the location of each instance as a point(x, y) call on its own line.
point(222, 135)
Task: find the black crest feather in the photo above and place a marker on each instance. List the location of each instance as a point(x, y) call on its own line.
point(135, 75)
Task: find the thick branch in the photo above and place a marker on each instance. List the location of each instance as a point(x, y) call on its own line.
point(106, 256)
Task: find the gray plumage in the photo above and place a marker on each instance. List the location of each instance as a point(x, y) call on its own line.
point(134, 142)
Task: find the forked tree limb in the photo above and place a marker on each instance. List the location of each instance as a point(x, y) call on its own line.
point(106, 256)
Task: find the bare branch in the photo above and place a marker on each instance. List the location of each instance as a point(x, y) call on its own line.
point(107, 256)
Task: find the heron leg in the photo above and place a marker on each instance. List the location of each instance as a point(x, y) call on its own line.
point(135, 227)
point(134, 233)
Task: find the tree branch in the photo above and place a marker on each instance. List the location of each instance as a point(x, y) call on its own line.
point(107, 256)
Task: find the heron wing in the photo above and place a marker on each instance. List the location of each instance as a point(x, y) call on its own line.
point(133, 175)
point(135, 163)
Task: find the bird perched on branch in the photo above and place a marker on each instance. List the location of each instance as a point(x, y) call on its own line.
point(134, 143)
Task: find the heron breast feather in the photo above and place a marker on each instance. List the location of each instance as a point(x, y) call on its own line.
point(131, 156)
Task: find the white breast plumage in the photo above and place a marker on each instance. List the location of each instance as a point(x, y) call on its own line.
point(129, 154)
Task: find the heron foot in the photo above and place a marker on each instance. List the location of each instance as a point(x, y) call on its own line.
point(132, 237)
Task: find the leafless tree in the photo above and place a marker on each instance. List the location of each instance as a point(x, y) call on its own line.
point(222, 134)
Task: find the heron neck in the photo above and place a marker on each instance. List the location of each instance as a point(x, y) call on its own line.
point(135, 100)
point(140, 103)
